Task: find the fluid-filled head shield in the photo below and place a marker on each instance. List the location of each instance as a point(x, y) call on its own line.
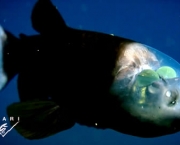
point(147, 84)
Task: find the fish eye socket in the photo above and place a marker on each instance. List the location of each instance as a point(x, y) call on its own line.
point(156, 85)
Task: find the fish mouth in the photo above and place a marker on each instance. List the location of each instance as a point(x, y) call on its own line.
point(165, 93)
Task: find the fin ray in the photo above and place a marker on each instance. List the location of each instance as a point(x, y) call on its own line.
point(39, 119)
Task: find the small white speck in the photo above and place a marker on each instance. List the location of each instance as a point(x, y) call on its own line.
point(142, 107)
point(96, 124)
point(168, 94)
point(8, 53)
point(112, 34)
point(38, 50)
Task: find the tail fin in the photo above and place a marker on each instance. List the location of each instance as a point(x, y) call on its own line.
point(46, 19)
point(3, 76)
point(9, 56)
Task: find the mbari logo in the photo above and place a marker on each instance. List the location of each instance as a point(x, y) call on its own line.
point(4, 126)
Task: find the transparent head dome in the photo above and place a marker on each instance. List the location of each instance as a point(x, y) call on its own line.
point(167, 62)
point(147, 83)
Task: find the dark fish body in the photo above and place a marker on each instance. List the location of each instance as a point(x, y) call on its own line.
point(68, 76)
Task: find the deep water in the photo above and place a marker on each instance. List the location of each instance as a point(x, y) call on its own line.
point(152, 22)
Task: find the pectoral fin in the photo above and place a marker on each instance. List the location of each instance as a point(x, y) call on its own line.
point(39, 119)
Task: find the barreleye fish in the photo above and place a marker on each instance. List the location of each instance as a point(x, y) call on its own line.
point(68, 76)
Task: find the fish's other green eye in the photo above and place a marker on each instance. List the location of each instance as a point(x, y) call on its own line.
point(166, 72)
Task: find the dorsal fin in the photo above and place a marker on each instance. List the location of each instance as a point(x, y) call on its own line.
point(46, 19)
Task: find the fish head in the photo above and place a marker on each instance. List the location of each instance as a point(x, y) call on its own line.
point(147, 85)
point(157, 103)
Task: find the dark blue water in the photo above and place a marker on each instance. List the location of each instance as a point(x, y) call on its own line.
point(153, 22)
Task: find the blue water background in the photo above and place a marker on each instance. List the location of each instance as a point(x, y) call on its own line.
point(152, 22)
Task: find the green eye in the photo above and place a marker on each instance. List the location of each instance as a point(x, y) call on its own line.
point(166, 72)
point(146, 77)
